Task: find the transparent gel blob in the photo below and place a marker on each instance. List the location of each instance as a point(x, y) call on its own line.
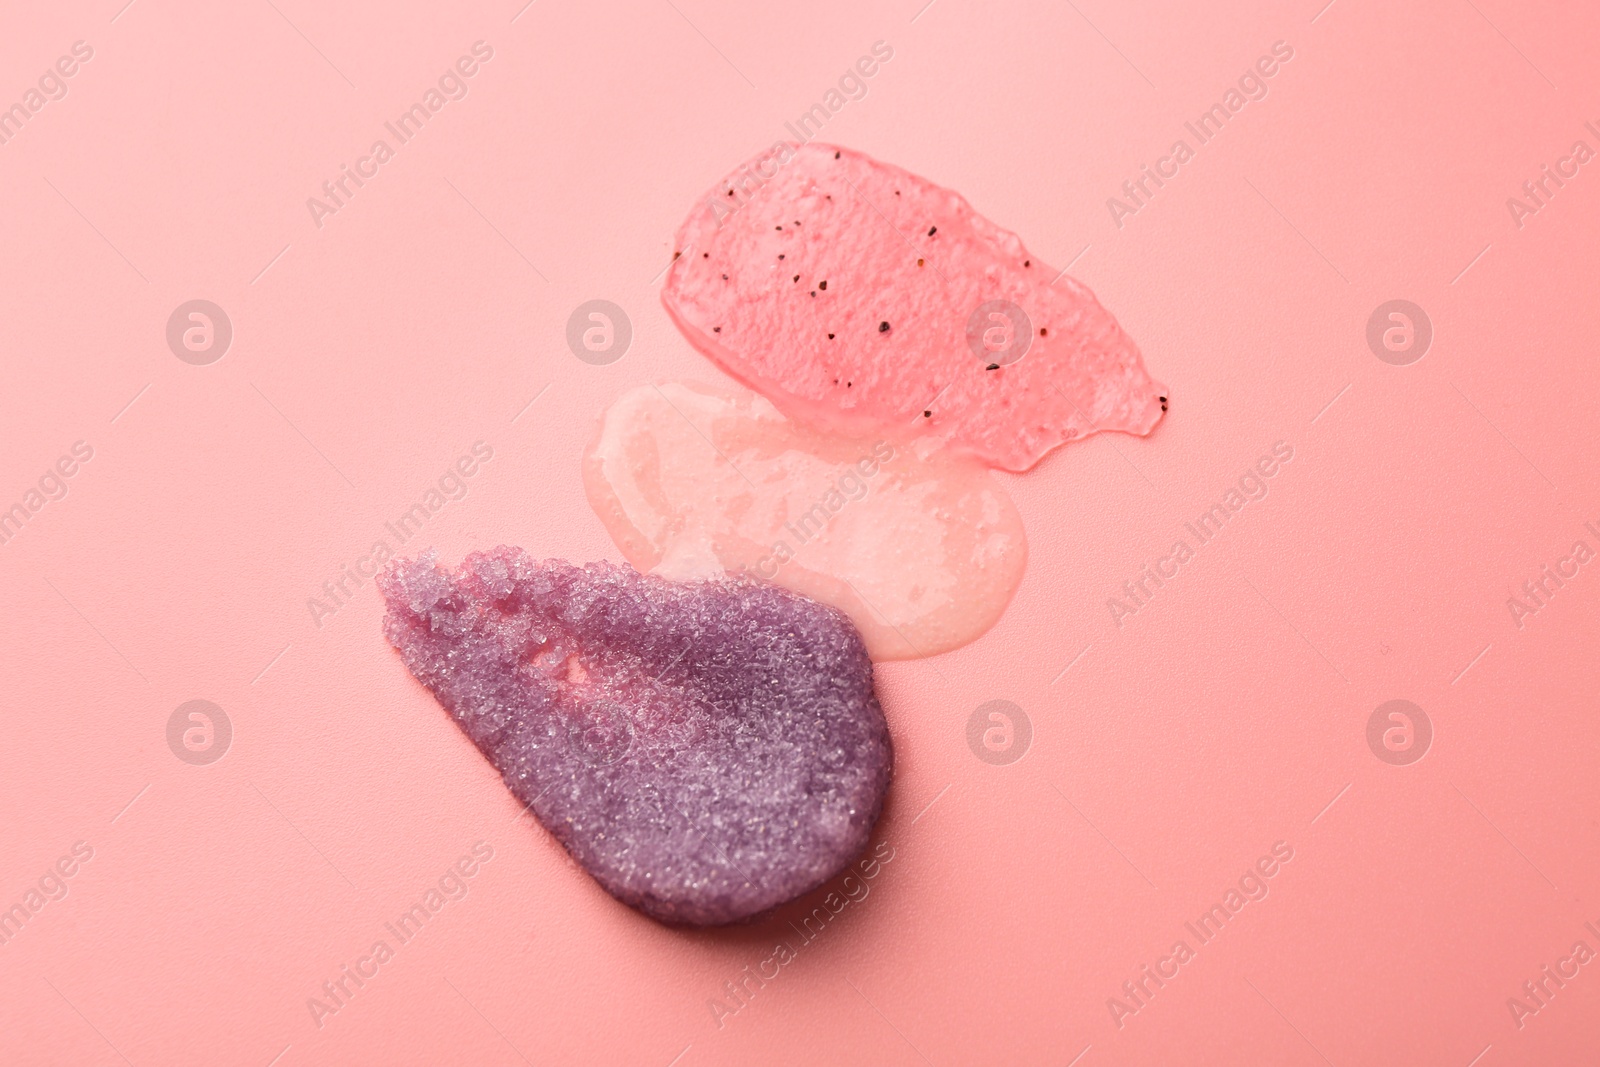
point(922, 548)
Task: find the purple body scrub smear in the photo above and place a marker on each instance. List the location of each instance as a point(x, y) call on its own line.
point(706, 750)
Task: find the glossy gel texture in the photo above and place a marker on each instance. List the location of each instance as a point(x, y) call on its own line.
point(844, 290)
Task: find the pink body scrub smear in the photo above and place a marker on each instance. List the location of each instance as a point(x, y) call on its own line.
point(862, 299)
point(705, 740)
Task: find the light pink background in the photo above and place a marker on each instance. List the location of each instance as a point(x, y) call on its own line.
point(1227, 715)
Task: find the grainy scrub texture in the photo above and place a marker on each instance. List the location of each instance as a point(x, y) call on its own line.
point(706, 750)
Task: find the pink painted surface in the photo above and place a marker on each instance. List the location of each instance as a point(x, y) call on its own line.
point(1168, 754)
